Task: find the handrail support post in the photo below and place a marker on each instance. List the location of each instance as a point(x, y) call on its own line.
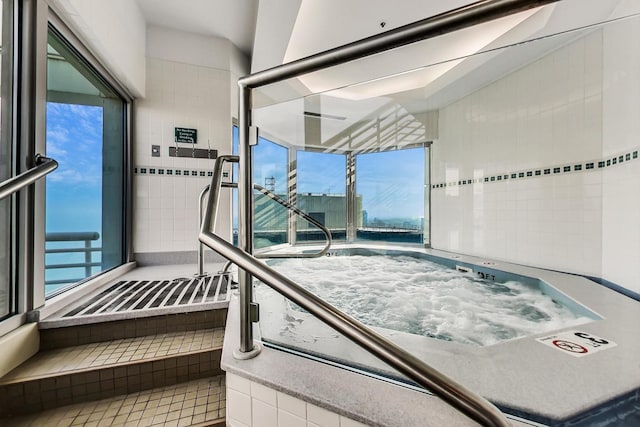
point(201, 273)
point(245, 214)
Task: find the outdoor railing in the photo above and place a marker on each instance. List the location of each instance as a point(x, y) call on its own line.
point(84, 238)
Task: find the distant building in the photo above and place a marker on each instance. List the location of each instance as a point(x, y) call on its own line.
point(328, 209)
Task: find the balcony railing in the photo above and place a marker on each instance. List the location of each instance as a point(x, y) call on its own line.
point(84, 246)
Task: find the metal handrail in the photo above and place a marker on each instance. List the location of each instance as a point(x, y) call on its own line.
point(276, 198)
point(455, 394)
point(464, 17)
point(44, 165)
point(204, 192)
point(457, 19)
point(201, 272)
point(281, 201)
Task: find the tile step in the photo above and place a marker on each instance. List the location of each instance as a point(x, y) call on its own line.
point(98, 370)
point(198, 402)
point(56, 333)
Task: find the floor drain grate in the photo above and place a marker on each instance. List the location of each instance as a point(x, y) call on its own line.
point(133, 295)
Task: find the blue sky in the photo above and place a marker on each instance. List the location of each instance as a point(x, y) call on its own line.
point(74, 190)
point(391, 183)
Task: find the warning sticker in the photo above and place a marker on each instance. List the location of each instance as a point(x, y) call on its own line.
point(577, 343)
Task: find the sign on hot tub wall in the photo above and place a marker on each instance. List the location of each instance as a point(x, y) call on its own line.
point(577, 343)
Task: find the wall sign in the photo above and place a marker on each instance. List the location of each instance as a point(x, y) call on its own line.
point(577, 343)
point(186, 135)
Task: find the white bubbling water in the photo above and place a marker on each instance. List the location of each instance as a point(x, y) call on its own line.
point(424, 298)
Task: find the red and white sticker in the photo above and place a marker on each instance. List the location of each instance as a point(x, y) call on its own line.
point(577, 343)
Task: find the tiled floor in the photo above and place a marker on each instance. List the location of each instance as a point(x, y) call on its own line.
point(119, 351)
point(198, 402)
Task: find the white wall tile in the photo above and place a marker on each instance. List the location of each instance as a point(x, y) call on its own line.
point(322, 417)
point(621, 127)
point(265, 394)
point(264, 415)
point(287, 419)
point(541, 116)
point(187, 95)
point(346, 422)
point(292, 405)
point(239, 406)
point(236, 382)
point(266, 407)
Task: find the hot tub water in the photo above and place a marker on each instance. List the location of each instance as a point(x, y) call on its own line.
point(420, 297)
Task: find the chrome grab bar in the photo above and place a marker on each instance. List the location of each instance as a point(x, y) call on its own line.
point(204, 192)
point(455, 394)
point(281, 201)
point(44, 165)
point(276, 198)
point(463, 17)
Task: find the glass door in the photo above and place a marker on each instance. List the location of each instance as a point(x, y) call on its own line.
point(85, 196)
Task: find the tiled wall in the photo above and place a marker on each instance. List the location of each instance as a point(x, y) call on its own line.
point(252, 404)
point(530, 144)
point(621, 130)
point(541, 167)
point(179, 94)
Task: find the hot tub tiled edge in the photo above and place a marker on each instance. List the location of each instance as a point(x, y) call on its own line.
point(351, 396)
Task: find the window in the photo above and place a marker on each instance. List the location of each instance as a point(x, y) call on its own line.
point(321, 193)
point(391, 192)
point(7, 292)
point(234, 193)
point(85, 196)
point(270, 171)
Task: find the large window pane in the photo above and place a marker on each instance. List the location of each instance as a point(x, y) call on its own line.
point(84, 197)
point(392, 187)
point(269, 171)
point(321, 193)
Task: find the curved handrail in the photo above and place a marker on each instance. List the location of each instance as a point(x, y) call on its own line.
point(455, 394)
point(281, 201)
point(274, 197)
point(44, 165)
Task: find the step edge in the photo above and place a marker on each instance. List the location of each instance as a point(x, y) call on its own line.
point(109, 366)
point(62, 322)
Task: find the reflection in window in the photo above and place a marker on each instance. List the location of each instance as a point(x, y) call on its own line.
point(84, 196)
point(235, 178)
point(270, 171)
point(391, 185)
point(321, 194)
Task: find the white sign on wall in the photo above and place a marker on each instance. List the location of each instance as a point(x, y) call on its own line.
point(577, 343)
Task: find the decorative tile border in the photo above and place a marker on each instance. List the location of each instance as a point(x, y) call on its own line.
point(545, 171)
point(172, 172)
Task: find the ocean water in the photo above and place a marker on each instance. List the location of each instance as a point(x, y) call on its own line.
point(420, 297)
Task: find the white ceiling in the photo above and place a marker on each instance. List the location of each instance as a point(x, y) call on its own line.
point(273, 32)
point(325, 24)
point(234, 20)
